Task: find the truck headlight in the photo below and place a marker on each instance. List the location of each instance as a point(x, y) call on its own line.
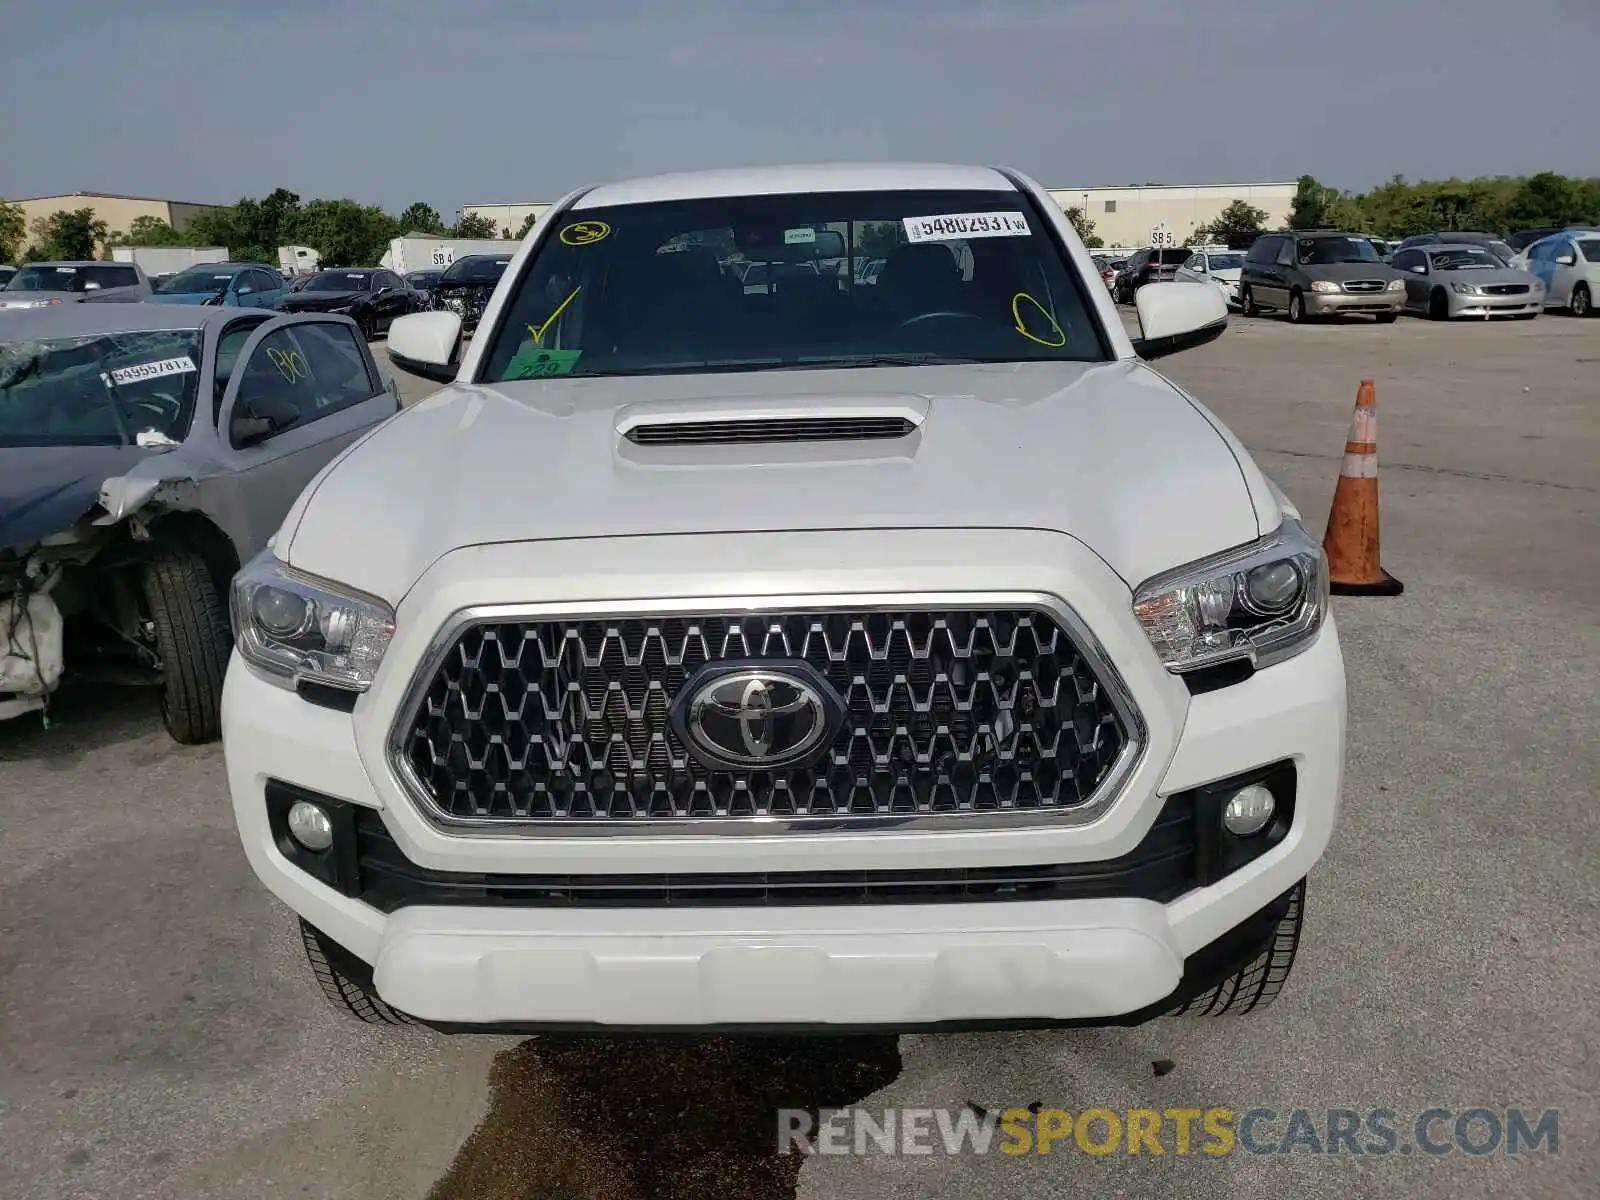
point(1464, 289)
point(1324, 285)
point(302, 628)
point(1263, 602)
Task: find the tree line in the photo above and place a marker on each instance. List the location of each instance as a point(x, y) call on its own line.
point(343, 232)
point(1398, 209)
point(348, 234)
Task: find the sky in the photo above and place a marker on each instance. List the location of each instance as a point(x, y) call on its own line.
point(493, 101)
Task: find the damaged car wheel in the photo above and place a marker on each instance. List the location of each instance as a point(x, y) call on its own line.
point(192, 638)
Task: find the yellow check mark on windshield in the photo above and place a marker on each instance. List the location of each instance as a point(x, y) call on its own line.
point(539, 332)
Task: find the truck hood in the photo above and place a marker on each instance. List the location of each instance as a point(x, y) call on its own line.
point(45, 489)
point(1110, 453)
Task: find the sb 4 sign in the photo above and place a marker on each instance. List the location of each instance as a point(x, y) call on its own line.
point(443, 256)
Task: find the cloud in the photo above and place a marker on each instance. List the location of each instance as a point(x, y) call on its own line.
point(474, 100)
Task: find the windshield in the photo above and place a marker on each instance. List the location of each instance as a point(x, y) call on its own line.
point(47, 279)
point(98, 390)
point(196, 281)
point(422, 278)
point(1329, 250)
point(673, 287)
point(476, 269)
point(1501, 250)
point(340, 281)
point(1227, 262)
point(1472, 259)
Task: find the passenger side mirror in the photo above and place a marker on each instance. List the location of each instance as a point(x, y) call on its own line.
point(1177, 317)
point(259, 417)
point(425, 344)
point(1419, 268)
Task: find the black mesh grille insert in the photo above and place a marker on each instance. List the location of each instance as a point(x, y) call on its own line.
point(1160, 868)
point(791, 429)
point(947, 712)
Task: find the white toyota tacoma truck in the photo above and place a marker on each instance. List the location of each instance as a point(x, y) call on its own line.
point(796, 653)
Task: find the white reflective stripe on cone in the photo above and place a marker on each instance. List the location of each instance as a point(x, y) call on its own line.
point(1360, 466)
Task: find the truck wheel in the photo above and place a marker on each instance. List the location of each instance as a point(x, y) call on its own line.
point(192, 639)
point(1257, 984)
point(344, 993)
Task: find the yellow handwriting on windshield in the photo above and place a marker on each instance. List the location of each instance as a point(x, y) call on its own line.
point(538, 332)
point(1060, 334)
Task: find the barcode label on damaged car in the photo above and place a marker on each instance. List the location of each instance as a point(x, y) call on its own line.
point(966, 225)
point(153, 370)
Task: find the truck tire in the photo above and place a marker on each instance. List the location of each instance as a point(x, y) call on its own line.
point(1257, 984)
point(348, 995)
point(192, 639)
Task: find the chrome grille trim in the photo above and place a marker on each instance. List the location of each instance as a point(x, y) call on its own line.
point(1133, 727)
point(1364, 285)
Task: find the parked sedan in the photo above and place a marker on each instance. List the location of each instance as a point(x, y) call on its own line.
point(239, 285)
point(423, 283)
point(1466, 281)
point(145, 453)
point(1568, 264)
point(47, 284)
point(372, 297)
point(1221, 268)
point(1496, 246)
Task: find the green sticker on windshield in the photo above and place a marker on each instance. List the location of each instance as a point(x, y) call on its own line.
point(536, 362)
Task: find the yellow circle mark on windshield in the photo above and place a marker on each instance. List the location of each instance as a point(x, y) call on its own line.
point(585, 233)
point(1022, 328)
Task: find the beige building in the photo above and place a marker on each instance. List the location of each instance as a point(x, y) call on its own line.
point(507, 218)
point(118, 212)
point(1129, 217)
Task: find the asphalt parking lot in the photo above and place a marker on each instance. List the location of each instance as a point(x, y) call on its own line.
point(161, 1037)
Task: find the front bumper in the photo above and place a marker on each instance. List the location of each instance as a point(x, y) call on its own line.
point(1329, 303)
point(893, 965)
point(1495, 306)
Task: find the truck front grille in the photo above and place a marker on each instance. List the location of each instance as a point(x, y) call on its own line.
point(562, 724)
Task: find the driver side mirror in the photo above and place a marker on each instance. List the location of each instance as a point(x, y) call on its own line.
point(1177, 317)
point(259, 417)
point(1419, 268)
point(1567, 259)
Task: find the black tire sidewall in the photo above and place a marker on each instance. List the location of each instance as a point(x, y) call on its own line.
point(1588, 301)
point(1297, 308)
point(193, 640)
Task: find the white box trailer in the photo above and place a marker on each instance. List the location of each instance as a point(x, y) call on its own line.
point(168, 260)
point(434, 254)
point(298, 260)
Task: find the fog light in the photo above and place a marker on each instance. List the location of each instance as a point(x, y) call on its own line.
point(1248, 810)
point(310, 826)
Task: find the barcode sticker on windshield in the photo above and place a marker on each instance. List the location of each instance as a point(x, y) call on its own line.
point(966, 225)
point(153, 370)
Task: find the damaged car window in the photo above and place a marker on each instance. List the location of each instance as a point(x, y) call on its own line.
point(104, 389)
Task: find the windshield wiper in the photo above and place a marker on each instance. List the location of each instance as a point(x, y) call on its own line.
point(884, 360)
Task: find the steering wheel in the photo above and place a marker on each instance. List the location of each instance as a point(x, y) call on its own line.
point(941, 314)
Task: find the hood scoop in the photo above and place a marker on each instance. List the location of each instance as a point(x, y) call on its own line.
point(771, 420)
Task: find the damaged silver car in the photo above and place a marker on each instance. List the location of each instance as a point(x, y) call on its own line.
point(145, 452)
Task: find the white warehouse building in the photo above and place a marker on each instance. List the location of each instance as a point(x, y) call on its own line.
point(1122, 216)
point(1140, 216)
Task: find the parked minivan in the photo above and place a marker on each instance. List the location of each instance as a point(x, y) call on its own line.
point(1319, 273)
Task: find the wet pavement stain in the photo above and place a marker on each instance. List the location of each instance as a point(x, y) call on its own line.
point(656, 1118)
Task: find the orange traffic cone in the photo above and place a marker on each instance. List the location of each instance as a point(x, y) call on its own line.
point(1351, 542)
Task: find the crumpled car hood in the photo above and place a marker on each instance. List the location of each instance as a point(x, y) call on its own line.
point(45, 489)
